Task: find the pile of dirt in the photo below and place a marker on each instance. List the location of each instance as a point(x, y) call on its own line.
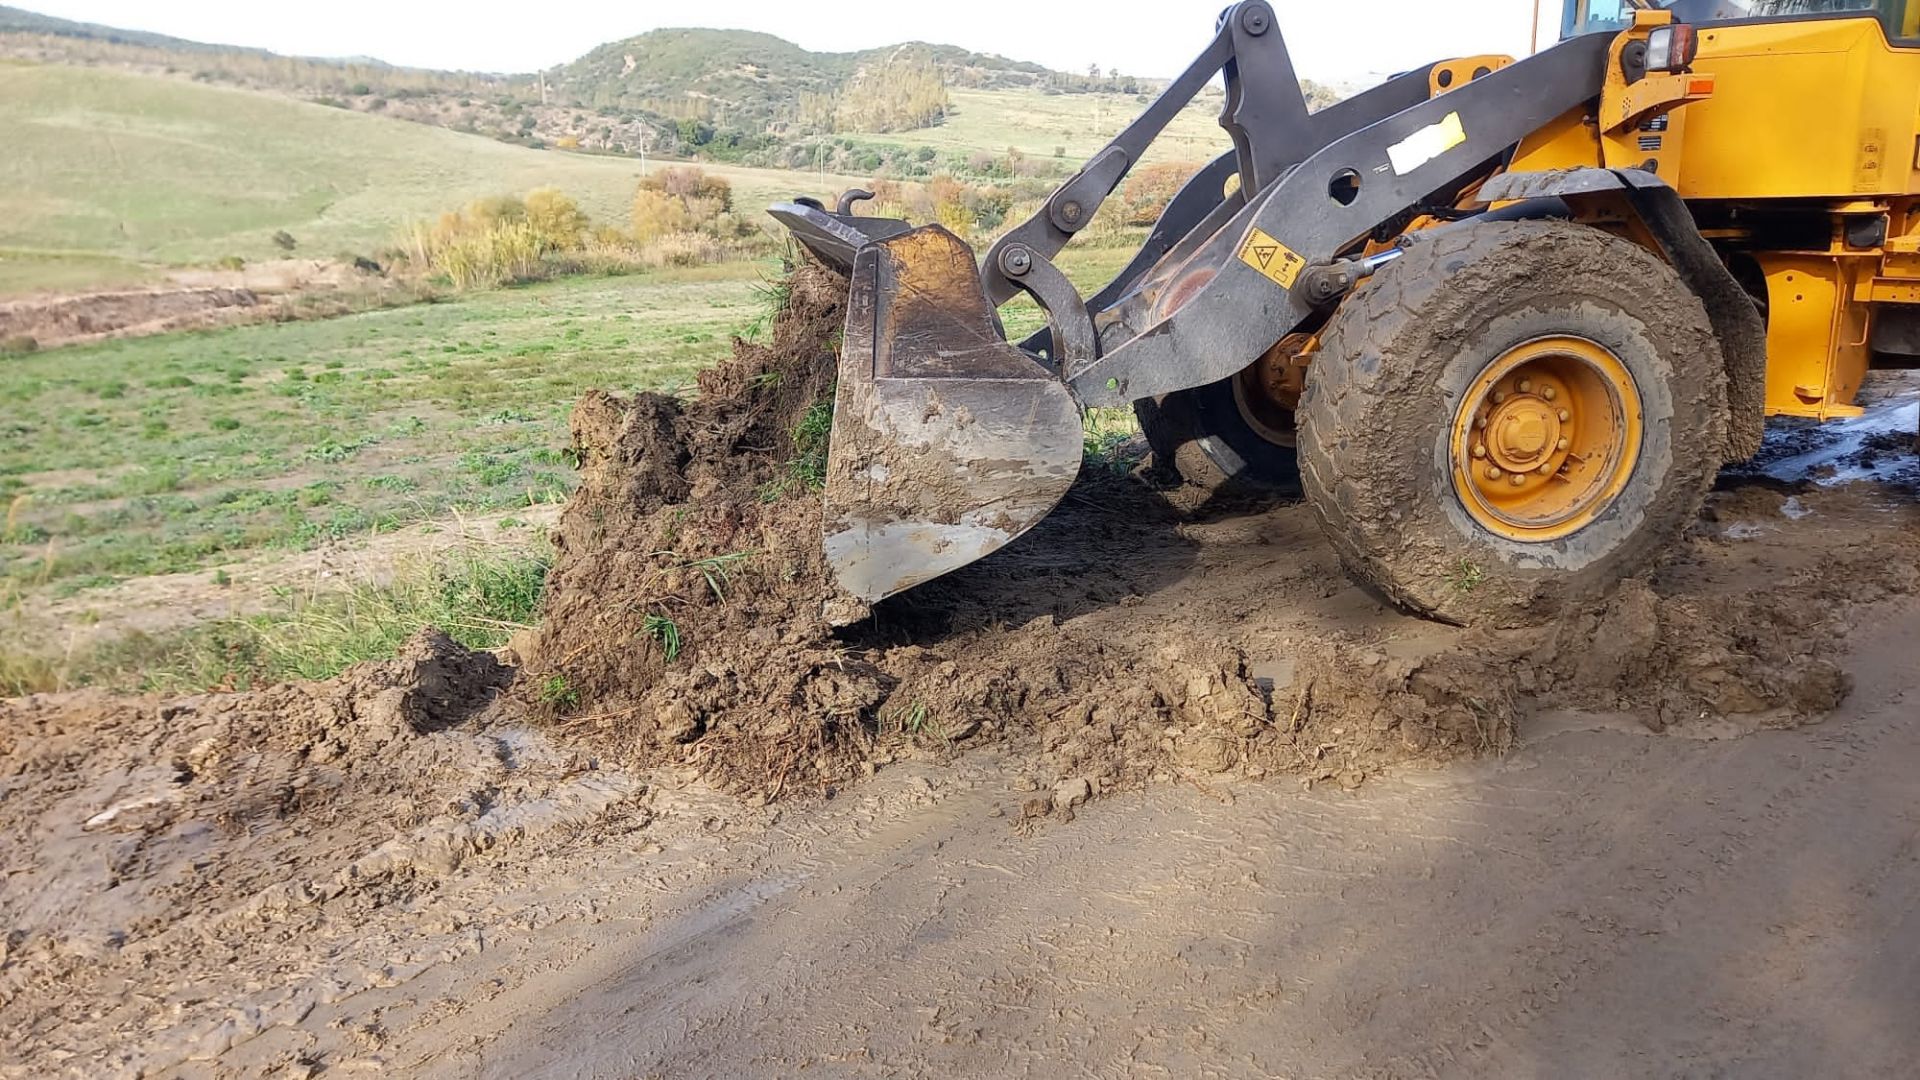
point(69, 320)
point(685, 626)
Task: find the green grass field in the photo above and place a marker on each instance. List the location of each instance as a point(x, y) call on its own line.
point(104, 171)
point(160, 454)
point(1076, 125)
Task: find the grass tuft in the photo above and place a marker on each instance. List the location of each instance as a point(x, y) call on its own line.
point(666, 632)
point(478, 597)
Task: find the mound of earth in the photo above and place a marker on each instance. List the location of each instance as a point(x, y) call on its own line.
point(1123, 639)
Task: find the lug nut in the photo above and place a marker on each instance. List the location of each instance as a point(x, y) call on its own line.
point(1526, 385)
point(1546, 467)
point(1479, 450)
point(1480, 423)
point(1547, 392)
point(1499, 396)
point(1562, 444)
point(1493, 472)
point(1518, 479)
point(1564, 415)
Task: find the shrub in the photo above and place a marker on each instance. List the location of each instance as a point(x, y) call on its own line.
point(557, 220)
point(497, 240)
point(679, 200)
point(19, 345)
point(284, 240)
point(1150, 188)
point(683, 249)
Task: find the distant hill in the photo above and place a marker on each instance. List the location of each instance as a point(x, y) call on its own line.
point(137, 169)
point(726, 95)
point(717, 73)
point(16, 21)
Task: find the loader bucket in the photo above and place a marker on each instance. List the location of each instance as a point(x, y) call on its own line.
point(947, 441)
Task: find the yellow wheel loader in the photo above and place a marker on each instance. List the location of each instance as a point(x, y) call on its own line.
point(1502, 320)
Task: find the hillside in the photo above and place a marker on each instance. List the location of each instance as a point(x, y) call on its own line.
point(721, 95)
point(108, 169)
point(16, 21)
point(746, 78)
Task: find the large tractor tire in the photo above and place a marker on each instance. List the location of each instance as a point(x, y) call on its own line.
point(1510, 417)
point(1235, 435)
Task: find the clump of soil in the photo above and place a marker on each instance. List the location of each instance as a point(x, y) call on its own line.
point(683, 614)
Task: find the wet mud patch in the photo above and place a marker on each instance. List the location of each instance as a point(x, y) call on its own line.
point(139, 833)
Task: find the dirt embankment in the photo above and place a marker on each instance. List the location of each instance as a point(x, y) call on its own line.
point(162, 854)
point(282, 290)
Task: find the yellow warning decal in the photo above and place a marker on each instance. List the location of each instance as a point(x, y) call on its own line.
point(1272, 258)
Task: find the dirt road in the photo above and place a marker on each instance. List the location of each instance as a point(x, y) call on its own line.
point(1605, 902)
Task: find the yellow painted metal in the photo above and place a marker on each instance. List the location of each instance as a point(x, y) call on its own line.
point(1886, 290)
point(1546, 438)
point(1652, 96)
point(1820, 108)
point(1570, 141)
point(1824, 112)
point(1636, 131)
point(1816, 333)
point(1458, 72)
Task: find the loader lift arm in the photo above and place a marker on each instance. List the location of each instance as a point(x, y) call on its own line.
point(949, 441)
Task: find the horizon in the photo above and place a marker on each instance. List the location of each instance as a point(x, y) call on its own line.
point(1322, 40)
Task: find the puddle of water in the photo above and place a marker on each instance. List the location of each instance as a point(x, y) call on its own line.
point(1841, 456)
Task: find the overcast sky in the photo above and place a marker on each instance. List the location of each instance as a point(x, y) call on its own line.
point(1329, 40)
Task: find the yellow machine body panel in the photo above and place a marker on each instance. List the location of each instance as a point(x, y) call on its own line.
point(1823, 108)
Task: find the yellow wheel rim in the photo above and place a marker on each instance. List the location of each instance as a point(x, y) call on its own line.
point(1546, 438)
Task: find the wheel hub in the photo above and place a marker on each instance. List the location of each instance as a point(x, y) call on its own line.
point(1521, 430)
point(1545, 438)
point(1268, 391)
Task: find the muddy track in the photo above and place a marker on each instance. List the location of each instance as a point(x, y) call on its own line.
point(1602, 903)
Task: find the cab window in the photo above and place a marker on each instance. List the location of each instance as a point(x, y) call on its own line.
point(1900, 17)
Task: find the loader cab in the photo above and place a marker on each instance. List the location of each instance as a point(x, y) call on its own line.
point(1900, 18)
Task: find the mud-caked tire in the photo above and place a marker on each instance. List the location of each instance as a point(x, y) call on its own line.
point(1393, 437)
point(1201, 435)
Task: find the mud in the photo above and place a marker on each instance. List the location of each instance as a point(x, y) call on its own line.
point(154, 842)
point(240, 878)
